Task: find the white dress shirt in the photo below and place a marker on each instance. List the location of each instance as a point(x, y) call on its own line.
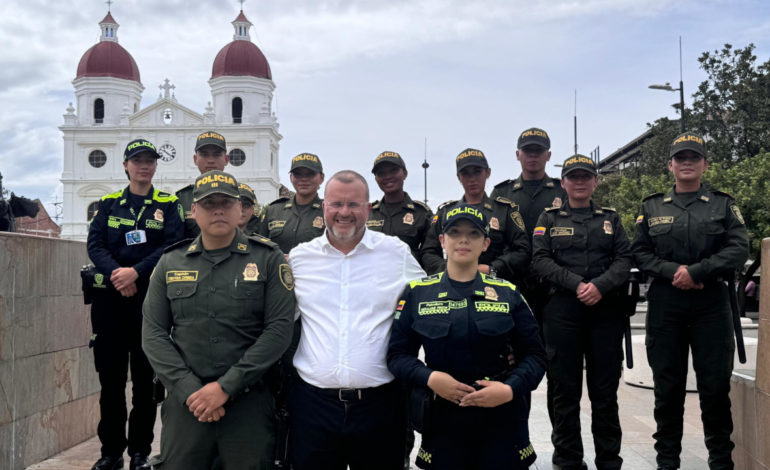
point(346, 302)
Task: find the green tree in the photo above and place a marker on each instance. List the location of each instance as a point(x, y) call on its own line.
point(625, 194)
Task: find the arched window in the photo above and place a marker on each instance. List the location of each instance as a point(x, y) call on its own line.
point(99, 111)
point(97, 158)
point(91, 211)
point(237, 110)
point(237, 157)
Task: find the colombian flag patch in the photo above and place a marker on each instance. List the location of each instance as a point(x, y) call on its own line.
point(539, 231)
point(640, 219)
point(400, 305)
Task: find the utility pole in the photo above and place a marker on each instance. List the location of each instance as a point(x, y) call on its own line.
point(425, 166)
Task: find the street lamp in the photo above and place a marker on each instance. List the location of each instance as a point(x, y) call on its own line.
point(668, 87)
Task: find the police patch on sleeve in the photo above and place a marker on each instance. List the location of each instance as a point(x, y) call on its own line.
point(738, 214)
point(181, 211)
point(286, 276)
point(518, 220)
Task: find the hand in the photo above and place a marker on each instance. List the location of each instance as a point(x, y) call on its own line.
point(122, 277)
point(129, 291)
point(206, 400)
point(447, 387)
point(683, 280)
point(212, 417)
point(493, 394)
point(484, 268)
point(588, 293)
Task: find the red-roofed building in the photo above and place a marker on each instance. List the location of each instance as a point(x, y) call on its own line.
point(41, 225)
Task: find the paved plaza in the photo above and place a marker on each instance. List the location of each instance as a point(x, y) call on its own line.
point(636, 419)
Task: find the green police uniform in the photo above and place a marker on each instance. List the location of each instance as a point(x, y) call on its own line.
point(705, 232)
point(185, 196)
point(222, 315)
point(531, 197)
point(289, 224)
point(509, 251)
point(408, 220)
point(570, 246)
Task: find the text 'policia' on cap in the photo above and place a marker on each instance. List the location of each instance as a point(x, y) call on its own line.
point(215, 182)
point(211, 138)
point(534, 136)
point(307, 160)
point(465, 212)
point(471, 157)
point(137, 146)
point(388, 157)
point(578, 162)
point(688, 141)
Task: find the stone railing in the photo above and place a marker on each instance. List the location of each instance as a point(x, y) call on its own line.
point(49, 391)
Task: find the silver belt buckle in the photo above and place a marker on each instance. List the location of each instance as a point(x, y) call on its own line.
point(339, 393)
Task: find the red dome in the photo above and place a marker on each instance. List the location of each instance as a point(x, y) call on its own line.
point(241, 58)
point(108, 59)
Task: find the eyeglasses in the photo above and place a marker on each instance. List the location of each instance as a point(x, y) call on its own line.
point(338, 205)
point(211, 204)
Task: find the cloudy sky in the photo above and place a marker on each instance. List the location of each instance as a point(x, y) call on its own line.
point(355, 78)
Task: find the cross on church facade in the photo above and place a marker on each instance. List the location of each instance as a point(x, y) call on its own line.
point(110, 2)
point(166, 87)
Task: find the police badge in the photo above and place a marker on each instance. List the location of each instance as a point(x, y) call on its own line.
point(608, 227)
point(318, 222)
point(250, 273)
point(494, 223)
point(490, 293)
point(158, 215)
point(408, 218)
point(556, 202)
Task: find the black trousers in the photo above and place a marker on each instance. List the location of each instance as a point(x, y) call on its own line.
point(475, 438)
point(117, 324)
point(327, 433)
point(574, 331)
point(677, 321)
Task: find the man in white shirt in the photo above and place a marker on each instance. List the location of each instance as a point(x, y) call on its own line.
point(346, 408)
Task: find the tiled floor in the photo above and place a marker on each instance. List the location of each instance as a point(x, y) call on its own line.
point(636, 406)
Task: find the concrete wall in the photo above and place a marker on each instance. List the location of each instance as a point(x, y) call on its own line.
point(49, 390)
point(750, 395)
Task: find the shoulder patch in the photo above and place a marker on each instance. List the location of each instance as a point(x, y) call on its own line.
point(376, 205)
point(179, 244)
point(653, 195)
point(498, 282)
point(280, 199)
point(503, 200)
point(162, 196)
point(426, 281)
point(609, 209)
point(422, 204)
point(552, 208)
point(503, 183)
point(183, 189)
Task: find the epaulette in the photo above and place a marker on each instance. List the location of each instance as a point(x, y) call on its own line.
point(178, 244)
point(609, 209)
point(183, 188)
point(441, 206)
point(280, 199)
point(504, 200)
point(114, 195)
point(426, 281)
point(552, 208)
point(498, 282)
point(263, 240)
point(162, 196)
point(652, 196)
point(722, 193)
point(376, 205)
point(422, 204)
point(503, 183)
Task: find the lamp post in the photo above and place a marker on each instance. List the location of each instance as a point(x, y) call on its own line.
point(668, 87)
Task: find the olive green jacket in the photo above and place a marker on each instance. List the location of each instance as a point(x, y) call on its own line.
point(548, 194)
point(287, 226)
point(708, 235)
point(185, 196)
point(410, 222)
point(226, 321)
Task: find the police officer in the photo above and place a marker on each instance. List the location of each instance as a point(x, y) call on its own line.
point(508, 255)
point(210, 154)
point(396, 213)
point(218, 314)
point(689, 240)
point(582, 251)
point(249, 221)
point(127, 235)
point(468, 324)
point(289, 221)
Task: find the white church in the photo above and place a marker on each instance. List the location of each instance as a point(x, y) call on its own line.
point(108, 114)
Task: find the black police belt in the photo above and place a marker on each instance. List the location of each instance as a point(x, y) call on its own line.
point(345, 395)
